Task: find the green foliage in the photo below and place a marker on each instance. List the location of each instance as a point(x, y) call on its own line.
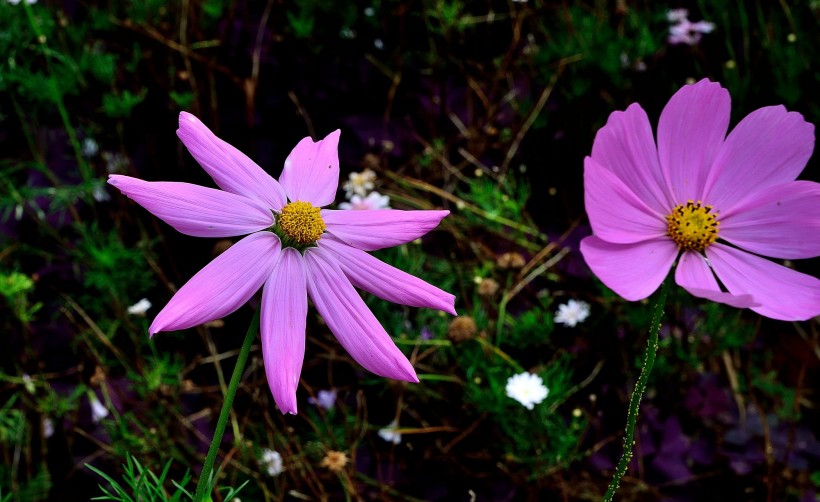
point(15, 288)
point(142, 484)
point(120, 106)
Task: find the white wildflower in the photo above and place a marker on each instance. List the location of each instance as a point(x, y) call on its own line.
point(90, 147)
point(272, 462)
point(140, 308)
point(359, 183)
point(325, 399)
point(572, 312)
point(527, 388)
point(48, 427)
point(98, 410)
point(378, 43)
point(391, 433)
point(374, 200)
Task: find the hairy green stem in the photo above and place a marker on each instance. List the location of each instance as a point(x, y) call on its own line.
point(637, 393)
point(204, 485)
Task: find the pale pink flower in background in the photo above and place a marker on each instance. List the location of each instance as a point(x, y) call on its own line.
point(683, 31)
point(294, 249)
point(374, 200)
point(715, 203)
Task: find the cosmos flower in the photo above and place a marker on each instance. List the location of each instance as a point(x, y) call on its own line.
point(715, 203)
point(527, 388)
point(374, 200)
point(571, 313)
point(294, 249)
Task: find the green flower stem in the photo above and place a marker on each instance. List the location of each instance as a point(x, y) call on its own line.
point(637, 393)
point(204, 485)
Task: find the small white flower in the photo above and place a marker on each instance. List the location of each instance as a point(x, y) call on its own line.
point(368, 11)
point(99, 192)
point(98, 410)
point(527, 388)
point(359, 183)
point(347, 33)
point(571, 313)
point(374, 200)
point(48, 427)
point(378, 43)
point(325, 399)
point(676, 15)
point(391, 433)
point(28, 383)
point(272, 462)
point(140, 308)
point(90, 147)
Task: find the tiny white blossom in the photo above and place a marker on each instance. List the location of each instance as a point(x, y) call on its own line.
point(572, 312)
point(527, 388)
point(325, 399)
point(28, 383)
point(272, 462)
point(378, 43)
point(391, 433)
point(90, 147)
point(140, 308)
point(359, 183)
point(48, 427)
point(15, 2)
point(368, 11)
point(98, 410)
point(374, 200)
point(676, 15)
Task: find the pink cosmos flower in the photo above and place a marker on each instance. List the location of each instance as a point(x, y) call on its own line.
point(715, 203)
point(294, 249)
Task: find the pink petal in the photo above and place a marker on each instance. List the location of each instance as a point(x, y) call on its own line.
point(769, 147)
point(782, 292)
point(284, 310)
point(616, 214)
point(195, 210)
point(231, 169)
point(782, 221)
point(222, 286)
point(384, 281)
point(690, 132)
point(626, 147)
point(380, 228)
point(694, 275)
point(311, 172)
point(634, 271)
point(351, 321)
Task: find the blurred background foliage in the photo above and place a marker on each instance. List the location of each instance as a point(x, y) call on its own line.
point(486, 108)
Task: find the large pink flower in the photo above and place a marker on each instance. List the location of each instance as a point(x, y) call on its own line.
point(294, 249)
point(713, 202)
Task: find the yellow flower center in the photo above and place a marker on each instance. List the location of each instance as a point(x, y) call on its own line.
point(693, 226)
point(301, 222)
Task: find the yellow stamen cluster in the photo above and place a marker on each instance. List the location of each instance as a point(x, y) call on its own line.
point(301, 222)
point(693, 227)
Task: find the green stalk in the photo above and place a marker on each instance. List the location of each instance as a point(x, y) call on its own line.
point(204, 485)
point(637, 393)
